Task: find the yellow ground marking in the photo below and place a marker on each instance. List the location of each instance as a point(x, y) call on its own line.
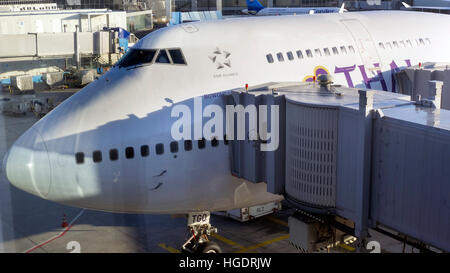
point(169, 248)
point(268, 242)
point(347, 247)
point(278, 221)
point(226, 240)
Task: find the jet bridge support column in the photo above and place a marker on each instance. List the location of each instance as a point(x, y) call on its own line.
point(364, 156)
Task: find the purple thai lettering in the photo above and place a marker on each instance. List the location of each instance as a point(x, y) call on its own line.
point(408, 62)
point(346, 70)
point(378, 78)
point(394, 69)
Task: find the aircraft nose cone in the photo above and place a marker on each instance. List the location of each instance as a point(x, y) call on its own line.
point(27, 164)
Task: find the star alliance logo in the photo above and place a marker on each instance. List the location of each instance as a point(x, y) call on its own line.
point(220, 58)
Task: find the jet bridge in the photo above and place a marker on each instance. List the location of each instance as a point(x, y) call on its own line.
point(362, 158)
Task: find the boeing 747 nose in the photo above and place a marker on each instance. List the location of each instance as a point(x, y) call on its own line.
point(27, 164)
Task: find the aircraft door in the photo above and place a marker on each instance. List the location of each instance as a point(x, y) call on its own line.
point(364, 43)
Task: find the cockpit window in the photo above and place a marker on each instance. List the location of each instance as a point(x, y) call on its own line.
point(177, 56)
point(163, 57)
point(137, 57)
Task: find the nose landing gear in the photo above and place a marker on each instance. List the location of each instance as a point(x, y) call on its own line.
point(201, 229)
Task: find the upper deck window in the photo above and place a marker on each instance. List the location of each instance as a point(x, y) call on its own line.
point(335, 51)
point(280, 57)
point(299, 54)
point(136, 57)
point(177, 56)
point(269, 58)
point(290, 55)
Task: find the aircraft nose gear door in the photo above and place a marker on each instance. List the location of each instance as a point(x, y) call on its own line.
point(364, 44)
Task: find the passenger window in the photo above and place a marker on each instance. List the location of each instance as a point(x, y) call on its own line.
point(388, 45)
point(145, 151)
point(174, 147)
point(318, 52)
point(79, 157)
point(97, 156)
point(280, 57)
point(113, 154)
point(290, 56)
point(137, 57)
point(326, 51)
point(428, 41)
point(201, 143)
point(214, 142)
point(177, 56)
point(129, 152)
point(162, 57)
point(188, 145)
point(225, 139)
point(299, 54)
point(352, 50)
point(159, 148)
point(343, 50)
point(309, 53)
point(408, 42)
point(395, 44)
point(402, 44)
point(335, 51)
point(269, 58)
point(381, 45)
point(421, 41)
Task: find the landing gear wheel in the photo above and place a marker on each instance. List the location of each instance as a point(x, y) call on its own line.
point(209, 247)
point(200, 229)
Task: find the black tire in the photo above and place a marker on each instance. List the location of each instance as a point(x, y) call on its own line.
point(209, 247)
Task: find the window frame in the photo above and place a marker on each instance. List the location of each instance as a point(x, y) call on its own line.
point(97, 156)
point(161, 152)
point(129, 148)
point(291, 58)
point(141, 64)
point(182, 55)
point(168, 56)
point(79, 160)
point(174, 147)
point(145, 150)
point(112, 158)
point(278, 57)
point(271, 61)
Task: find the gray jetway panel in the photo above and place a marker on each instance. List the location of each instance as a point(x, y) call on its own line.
point(247, 159)
point(410, 189)
point(17, 45)
point(413, 81)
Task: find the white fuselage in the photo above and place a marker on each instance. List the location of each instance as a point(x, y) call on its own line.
point(132, 107)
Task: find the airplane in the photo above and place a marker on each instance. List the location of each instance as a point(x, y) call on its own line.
point(254, 7)
point(429, 8)
point(109, 147)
